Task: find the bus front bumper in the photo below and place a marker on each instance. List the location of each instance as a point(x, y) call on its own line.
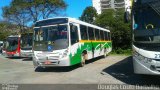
point(26, 54)
point(13, 55)
point(51, 63)
point(146, 68)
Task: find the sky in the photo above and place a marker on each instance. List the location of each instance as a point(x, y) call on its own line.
point(74, 9)
point(2, 4)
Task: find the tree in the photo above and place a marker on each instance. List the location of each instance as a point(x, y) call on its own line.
point(43, 8)
point(23, 11)
point(120, 31)
point(6, 29)
point(106, 19)
point(89, 14)
point(16, 16)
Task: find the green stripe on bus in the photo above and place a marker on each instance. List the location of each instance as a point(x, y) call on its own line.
point(76, 58)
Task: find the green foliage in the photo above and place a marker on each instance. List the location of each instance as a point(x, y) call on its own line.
point(89, 14)
point(7, 29)
point(120, 31)
point(121, 51)
point(106, 19)
point(4, 35)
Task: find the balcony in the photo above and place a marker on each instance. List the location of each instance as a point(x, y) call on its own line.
point(119, 1)
point(106, 6)
point(105, 1)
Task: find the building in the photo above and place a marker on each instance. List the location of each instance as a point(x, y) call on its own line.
point(101, 5)
point(97, 5)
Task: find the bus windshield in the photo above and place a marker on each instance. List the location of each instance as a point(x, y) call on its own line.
point(146, 23)
point(50, 38)
point(11, 43)
point(26, 41)
point(1, 44)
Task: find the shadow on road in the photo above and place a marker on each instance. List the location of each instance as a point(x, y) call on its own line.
point(123, 71)
point(15, 57)
point(22, 58)
point(94, 59)
point(56, 69)
point(27, 59)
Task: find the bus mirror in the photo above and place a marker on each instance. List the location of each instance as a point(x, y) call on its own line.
point(71, 25)
point(126, 17)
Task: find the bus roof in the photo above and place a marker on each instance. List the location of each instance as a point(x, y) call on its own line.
point(76, 21)
point(85, 23)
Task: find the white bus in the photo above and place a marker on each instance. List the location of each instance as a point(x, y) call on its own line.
point(26, 45)
point(146, 36)
point(67, 41)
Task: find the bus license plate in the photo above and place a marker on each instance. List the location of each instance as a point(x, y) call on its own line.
point(47, 62)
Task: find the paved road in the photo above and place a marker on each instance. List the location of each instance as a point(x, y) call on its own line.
point(114, 69)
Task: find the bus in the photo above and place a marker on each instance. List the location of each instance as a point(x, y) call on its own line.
point(66, 41)
point(18, 45)
point(12, 47)
point(26, 45)
point(145, 18)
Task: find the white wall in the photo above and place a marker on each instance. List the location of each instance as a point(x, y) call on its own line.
point(97, 5)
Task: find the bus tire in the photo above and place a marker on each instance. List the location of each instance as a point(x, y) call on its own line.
point(83, 60)
point(105, 53)
point(40, 69)
point(36, 69)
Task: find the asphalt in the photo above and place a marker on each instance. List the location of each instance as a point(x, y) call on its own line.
point(114, 69)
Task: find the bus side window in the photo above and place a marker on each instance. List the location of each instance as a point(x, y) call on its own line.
point(102, 35)
point(106, 36)
point(83, 30)
point(109, 36)
point(94, 33)
point(91, 33)
point(97, 34)
point(74, 34)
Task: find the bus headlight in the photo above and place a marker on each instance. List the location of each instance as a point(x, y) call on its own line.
point(142, 58)
point(64, 54)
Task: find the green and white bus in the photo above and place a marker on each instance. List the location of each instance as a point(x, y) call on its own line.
point(67, 41)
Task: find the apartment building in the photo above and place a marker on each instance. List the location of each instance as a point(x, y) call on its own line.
point(101, 5)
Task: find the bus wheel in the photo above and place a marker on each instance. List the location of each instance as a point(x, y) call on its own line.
point(83, 59)
point(105, 53)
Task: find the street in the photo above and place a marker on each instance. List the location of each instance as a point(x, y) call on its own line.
point(114, 69)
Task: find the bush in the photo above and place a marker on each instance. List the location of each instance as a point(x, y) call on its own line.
point(121, 51)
